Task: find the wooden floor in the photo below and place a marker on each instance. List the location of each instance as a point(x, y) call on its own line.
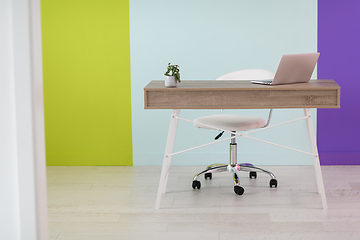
point(106, 203)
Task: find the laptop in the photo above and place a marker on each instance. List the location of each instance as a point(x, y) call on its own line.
point(293, 68)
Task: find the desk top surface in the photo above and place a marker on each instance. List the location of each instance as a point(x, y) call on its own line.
point(241, 94)
point(205, 85)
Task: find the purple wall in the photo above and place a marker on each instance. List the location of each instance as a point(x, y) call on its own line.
point(339, 47)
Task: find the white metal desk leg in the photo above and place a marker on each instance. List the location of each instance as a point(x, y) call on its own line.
point(316, 160)
point(167, 159)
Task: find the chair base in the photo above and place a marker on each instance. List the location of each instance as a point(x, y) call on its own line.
point(234, 168)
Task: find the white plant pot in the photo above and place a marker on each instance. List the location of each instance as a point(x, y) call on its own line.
point(170, 81)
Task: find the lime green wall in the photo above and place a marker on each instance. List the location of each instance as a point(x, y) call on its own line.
point(86, 57)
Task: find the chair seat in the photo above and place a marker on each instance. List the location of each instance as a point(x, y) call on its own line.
point(230, 122)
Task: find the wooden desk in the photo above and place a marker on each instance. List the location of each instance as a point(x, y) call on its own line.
point(204, 94)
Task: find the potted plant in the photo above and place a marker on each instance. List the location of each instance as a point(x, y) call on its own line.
point(172, 75)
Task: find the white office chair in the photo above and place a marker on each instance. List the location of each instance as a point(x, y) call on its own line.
point(234, 123)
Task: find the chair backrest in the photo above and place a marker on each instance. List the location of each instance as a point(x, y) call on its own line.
point(248, 74)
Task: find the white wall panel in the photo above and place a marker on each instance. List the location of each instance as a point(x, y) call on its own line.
point(23, 204)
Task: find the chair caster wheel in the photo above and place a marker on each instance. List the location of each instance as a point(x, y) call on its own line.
point(196, 184)
point(238, 190)
point(273, 183)
point(253, 175)
point(208, 176)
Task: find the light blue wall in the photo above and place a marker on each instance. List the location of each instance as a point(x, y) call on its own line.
point(209, 38)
